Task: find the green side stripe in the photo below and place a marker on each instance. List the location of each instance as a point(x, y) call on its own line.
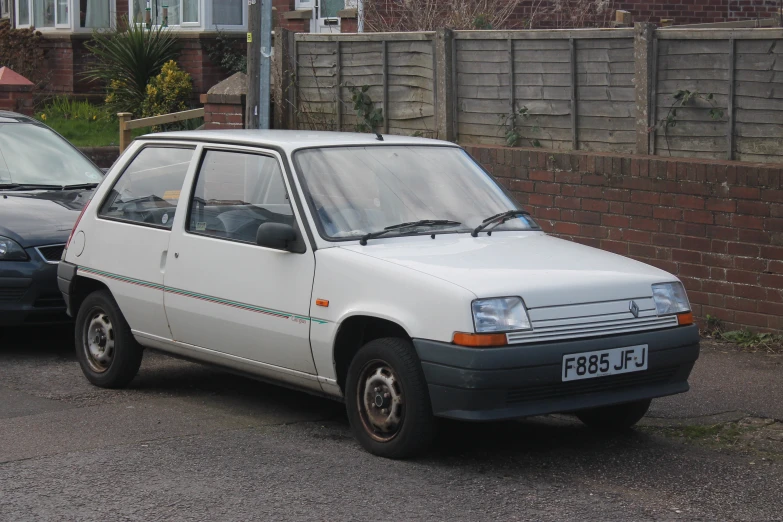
point(195, 295)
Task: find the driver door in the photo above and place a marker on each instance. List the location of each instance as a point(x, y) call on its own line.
point(223, 291)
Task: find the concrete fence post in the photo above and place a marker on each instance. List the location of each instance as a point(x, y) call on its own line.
point(644, 61)
point(125, 133)
point(444, 88)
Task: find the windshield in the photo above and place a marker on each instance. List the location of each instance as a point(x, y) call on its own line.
point(354, 191)
point(31, 154)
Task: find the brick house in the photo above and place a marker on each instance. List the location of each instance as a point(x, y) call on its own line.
point(67, 24)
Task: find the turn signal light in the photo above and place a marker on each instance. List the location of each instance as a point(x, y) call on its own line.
point(480, 340)
point(685, 319)
point(321, 302)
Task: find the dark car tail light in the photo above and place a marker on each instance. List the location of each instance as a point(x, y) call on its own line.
point(84, 209)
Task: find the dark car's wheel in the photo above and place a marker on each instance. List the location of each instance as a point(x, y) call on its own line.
point(108, 354)
point(619, 417)
point(388, 401)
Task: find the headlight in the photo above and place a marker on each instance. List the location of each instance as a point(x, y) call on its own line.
point(11, 251)
point(500, 314)
point(670, 298)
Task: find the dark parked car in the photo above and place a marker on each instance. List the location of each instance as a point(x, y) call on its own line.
point(44, 184)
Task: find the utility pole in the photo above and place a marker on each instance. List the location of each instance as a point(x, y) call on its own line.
point(259, 64)
point(253, 63)
point(265, 78)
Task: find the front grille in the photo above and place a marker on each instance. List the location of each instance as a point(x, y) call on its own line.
point(555, 323)
point(600, 384)
point(11, 294)
point(51, 253)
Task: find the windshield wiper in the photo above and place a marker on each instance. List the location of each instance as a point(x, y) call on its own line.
point(412, 224)
point(76, 186)
point(33, 186)
point(497, 220)
point(29, 186)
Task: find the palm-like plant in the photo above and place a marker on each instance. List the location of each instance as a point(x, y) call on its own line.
point(126, 60)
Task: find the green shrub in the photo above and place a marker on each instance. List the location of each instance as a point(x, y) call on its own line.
point(21, 51)
point(226, 53)
point(126, 61)
point(168, 92)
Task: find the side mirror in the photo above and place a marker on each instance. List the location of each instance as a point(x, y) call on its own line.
point(276, 235)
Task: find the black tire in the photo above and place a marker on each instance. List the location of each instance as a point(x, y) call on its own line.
point(118, 363)
point(410, 400)
point(615, 418)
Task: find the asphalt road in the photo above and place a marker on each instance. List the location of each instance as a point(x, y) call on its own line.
point(187, 442)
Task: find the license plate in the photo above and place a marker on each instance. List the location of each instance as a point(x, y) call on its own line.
point(604, 362)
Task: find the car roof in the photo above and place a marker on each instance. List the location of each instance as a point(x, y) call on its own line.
point(290, 140)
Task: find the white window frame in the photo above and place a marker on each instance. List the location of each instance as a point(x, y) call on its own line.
point(205, 22)
point(223, 27)
point(5, 8)
point(200, 13)
point(68, 14)
point(71, 24)
point(112, 19)
point(31, 14)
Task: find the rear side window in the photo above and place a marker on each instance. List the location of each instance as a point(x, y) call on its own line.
point(235, 193)
point(149, 188)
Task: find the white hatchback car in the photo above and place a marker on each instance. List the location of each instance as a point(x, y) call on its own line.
point(389, 272)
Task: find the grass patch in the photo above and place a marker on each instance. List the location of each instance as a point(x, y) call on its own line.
point(88, 125)
point(754, 342)
point(83, 133)
point(745, 339)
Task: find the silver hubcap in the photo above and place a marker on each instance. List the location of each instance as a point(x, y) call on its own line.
point(380, 401)
point(99, 341)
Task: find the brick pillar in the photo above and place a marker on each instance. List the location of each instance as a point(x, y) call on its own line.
point(59, 54)
point(349, 20)
point(16, 92)
point(224, 104)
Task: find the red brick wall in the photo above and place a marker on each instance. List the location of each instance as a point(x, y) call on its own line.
point(681, 11)
point(718, 226)
point(59, 65)
point(223, 111)
point(67, 58)
point(349, 25)
point(194, 59)
point(699, 11)
point(16, 98)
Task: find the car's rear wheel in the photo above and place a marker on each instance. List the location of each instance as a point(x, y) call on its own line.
point(615, 418)
point(388, 401)
point(108, 354)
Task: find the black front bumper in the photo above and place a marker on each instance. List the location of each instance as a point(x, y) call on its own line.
point(482, 384)
point(29, 293)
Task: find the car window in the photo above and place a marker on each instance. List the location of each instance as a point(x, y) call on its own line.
point(235, 193)
point(149, 188)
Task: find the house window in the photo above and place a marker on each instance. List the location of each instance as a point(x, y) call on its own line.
point(5, 8)
point(95, 13)
point(227, 12)
point(179, 11)
point(43, 13)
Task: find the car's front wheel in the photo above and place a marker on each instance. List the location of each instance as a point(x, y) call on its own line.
point(615, 418)
point(107, 352)
point(388, 401)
